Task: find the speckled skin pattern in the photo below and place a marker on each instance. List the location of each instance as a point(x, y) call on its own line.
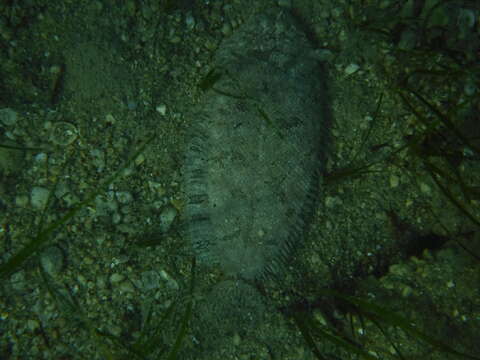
point(254, 146)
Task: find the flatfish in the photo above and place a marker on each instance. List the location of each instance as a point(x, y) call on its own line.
point(254, 146)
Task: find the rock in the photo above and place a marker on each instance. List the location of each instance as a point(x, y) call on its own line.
point(39, 197)
point(52, 261)
point(167, 217)
point(116, 278)
point(8, 117)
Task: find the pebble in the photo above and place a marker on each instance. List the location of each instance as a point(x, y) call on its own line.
point(98, 159)
point(332, 201)
point(352, 68)
point(39, 197)
point(116, 218)
point(8, 117)
point(166, 218)
point(61, 190)
point(406, 290)
point(131, 105)
point(236, 339)
point(139, 160)
point(109, 119)
point(190, 21)
point(100, 282)
point(424, 188)
point(394, 181)
point(169, 280)
point(408, 40)
point(126, 228)
point(470, 87)
point(21, 200)
point(126, 287)
point(18, 280)
point(161, 109)
point(324, 55)
point(466, 19)
point(156, 187)
point(226, 29)
point(116, 278)
point(32, 324)
point(41, 158)
point(285, 3)
point(52, 261)
point(150, 280)
point(124, 197)
point(104, 205)
point(175, 39)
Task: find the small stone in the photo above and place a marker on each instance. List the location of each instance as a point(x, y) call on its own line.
point(424, 188)
point(332, 201)
point(166, 218)
point(139, 159)
point(285, 3)
point(128, 171)
point(18, 280)
point(99, 6)
point(175, 39)
point(352, 68)
point(8, 117)
point(337, 12)
point(466, 19)
point(116, 278)
point(32, 324)
point(226, 29)
point(51, 261)
point(190, 21)
point(126, 228)
point(100, 282)
point(82, 280)
point(41, 158)
point(115, 330)
point(171, 283)
point(150, 280)
point(98, 159)
point(21, 200)
point(39, 197)
point(109, 119)
point(470, 87)
point(324, 55)
point(397, 270)
point(236, 339)
point(408, 40)
point(318, 316)
point(124, 197)
point(406, 290)
point(132, 105)
point(116, 218)
point(126, 287)
point(55, 69)
point(61, 190)
point(157, 187)
point(161, 109)
point(394, 181)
